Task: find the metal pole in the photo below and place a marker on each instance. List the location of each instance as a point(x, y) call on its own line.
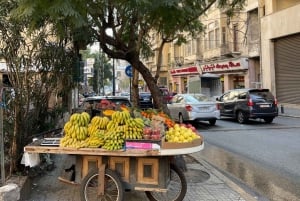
point(114, 77)
point(1, 134)
point(130, 95)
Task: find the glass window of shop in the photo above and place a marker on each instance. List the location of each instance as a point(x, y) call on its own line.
point(238, 82)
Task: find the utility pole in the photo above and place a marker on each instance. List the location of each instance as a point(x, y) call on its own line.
point(114, 79)
point(1, 133)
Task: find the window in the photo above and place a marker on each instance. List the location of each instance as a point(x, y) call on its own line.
point(235, 38)
point(163, 81)
point(223, 35)
point(217, 37)
point(188, 48)
point(191, 47)
point(213, 35)
point(211, 39)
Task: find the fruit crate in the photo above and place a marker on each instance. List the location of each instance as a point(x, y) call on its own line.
point(180, 145)
point(143, 144)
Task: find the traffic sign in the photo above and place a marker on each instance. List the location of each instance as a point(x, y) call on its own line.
point(128, 71)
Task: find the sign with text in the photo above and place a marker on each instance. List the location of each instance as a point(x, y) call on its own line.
point(184, 71)
point(224, 66)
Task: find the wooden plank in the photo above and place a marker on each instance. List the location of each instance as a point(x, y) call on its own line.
point(162, 190)
point(101, 179)
point(89, 151)
point(34, 148)
point(151, 176)
point(90, 160)
point(124, 165)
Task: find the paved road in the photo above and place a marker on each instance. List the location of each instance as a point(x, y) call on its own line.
point(265, 156)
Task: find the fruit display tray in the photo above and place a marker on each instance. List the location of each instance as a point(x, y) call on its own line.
point(50, 142)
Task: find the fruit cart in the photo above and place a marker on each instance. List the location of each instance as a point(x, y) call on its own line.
point(124, 150)
point(105, 175)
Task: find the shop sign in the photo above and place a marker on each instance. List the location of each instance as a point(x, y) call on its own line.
point(184, 71)
point(223, 66)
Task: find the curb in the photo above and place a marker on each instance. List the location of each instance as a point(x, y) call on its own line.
point(221, 176)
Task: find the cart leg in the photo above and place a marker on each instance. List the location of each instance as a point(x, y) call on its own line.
point(112, 188)
point(176, 189)
point(101, 173)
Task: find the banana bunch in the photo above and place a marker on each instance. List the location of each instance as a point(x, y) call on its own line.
point(134, 128)
point(100, 122)
point(113, 140)
point(68, 141)
point(120, 117)
point(97, 123)
point(82, 119)
point(81, 133)
point(94, 141)
point(75, 131)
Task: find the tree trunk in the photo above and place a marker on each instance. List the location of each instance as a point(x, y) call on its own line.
point(151, 83)
point(14, 145)
point(135, 87)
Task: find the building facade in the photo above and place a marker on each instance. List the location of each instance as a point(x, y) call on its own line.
point(280, 44)
point(225, 56)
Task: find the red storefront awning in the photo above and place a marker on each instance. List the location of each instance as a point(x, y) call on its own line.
point(192, 70)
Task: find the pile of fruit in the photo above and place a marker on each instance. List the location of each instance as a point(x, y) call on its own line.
point(182, 133)
point(112, 129)
point(106, 132)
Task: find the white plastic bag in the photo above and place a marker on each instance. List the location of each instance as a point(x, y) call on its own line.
point(30, 159)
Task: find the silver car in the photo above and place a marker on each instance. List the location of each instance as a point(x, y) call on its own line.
point(193, 107)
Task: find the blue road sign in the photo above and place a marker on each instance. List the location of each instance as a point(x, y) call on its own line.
point(128, 71)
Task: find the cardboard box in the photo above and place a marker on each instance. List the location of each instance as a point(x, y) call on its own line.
point(177, 145)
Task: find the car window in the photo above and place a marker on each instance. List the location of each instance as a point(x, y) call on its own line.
point(261, 95)
point(201, 97)
point(191, 99)
point(180, 99)
point(225, 97)
point(233, 95)
point(96, 103)
point(242, 95)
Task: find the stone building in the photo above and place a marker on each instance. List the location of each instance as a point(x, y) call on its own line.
point(280, 49)
point(225, 56)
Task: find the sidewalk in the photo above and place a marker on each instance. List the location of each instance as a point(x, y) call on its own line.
point(289, 111)
point(205, 183)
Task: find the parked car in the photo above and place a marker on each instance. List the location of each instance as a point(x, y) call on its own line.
point(244, 104)
point(145, 100)
point(189, 107)
point(94, 105)
point(167, 96)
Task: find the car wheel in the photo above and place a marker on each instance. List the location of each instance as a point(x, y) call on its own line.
point(180, 119)
point(241, 117)
point(212, 122)
point(268, 119)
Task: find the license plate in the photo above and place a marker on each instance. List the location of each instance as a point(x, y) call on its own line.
point(264, 106)
point(204, 108)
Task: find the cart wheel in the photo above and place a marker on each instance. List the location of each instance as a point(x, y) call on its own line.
point(113, 189)
point(176, 189)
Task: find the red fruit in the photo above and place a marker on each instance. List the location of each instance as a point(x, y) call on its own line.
point(189, 125)
point(193, 129)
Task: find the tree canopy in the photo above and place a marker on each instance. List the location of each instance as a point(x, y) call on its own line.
point(124, 27)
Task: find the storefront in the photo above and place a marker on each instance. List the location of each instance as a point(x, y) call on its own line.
point(233, 73)
point(180, 78)
point(287, 69)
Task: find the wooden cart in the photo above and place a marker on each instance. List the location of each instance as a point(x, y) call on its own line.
point(104, 175)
